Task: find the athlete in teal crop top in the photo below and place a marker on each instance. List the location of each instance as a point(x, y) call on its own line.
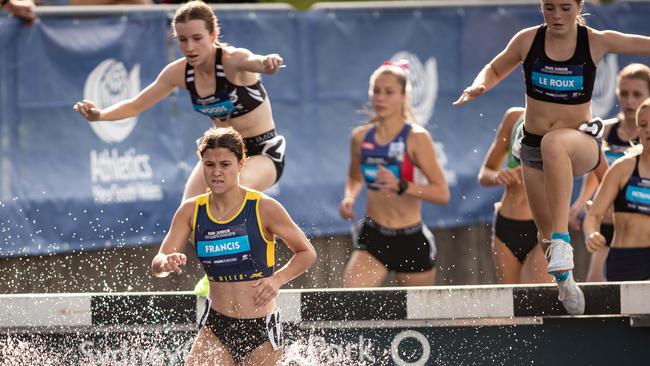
point(626, 186)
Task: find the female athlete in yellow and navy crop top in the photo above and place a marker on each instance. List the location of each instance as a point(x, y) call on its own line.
point(233, 250)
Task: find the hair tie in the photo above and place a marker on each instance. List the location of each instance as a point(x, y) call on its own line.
point(402, 63)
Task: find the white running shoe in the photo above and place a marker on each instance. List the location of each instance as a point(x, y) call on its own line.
point(571, 296)
point(560, 256)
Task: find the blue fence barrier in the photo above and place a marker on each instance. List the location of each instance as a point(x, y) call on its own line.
point(67, 185)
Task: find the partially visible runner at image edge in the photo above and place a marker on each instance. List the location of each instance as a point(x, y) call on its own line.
point(626, 188)
point(632, 88)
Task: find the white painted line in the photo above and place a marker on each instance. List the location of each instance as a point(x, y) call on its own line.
point(459, 303)
point(635, 298)
point(45, 311)
point(289, 303)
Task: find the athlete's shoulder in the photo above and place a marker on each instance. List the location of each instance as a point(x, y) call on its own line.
point(515, 111)
point(269, 207)
point(177, 65)
point(419, 131)
point(188, 206)
point(512, 115)
point(174, 72)
point(360, 132)
point(235, 54)
point(624, 164)
point(527, 34)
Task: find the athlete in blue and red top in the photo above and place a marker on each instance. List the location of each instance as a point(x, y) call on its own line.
point(396, 160)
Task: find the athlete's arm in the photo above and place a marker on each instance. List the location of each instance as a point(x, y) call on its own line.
point(619, 172)
point(354, 181)
point(276, 221)
point(170, 257)
point(169, 78)
point(616, 42)
point(587, 189)
point(499, 68)
point(244, 60)
point(490, 173)
point(424, 156)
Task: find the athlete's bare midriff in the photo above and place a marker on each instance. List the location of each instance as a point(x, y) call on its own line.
point(393, 211)
point(542, 117)
point(236, 300)
point(632, 230)
point(253, 123)
point(514, 203)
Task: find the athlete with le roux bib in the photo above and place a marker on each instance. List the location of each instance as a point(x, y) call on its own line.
point(560, 138)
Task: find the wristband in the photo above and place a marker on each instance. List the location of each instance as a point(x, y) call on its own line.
point(402, 187)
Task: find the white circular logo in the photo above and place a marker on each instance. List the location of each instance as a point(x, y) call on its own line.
point(394, 348)
point(604, 96)
point(424, 83)
point(106, 85)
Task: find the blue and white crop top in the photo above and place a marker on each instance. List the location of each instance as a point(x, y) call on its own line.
point(562, 82)
point(228, 100)
point(634, 197)
point(392, 156)
point(235, 250)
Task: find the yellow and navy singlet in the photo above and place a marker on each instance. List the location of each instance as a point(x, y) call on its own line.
point(562, 82)
point(392, 156)
point(228, 100)
point(234, 250)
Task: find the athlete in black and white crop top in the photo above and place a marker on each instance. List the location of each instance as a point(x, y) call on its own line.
point(228, 100)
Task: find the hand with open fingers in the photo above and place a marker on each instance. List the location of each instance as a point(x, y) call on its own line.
point(266, 290)
point(595, 241)
point(346, 208)
point(470, 93)
point(386, 180)
point(88, 110)
point(509, 176)
point(173, 262)
point(272, 63)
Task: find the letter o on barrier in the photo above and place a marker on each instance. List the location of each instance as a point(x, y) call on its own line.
point(394, 348)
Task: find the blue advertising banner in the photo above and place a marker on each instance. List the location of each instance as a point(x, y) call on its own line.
point(75, 185)
point(69, 185)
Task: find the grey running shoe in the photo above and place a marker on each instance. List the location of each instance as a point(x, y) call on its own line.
point(571, 296)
